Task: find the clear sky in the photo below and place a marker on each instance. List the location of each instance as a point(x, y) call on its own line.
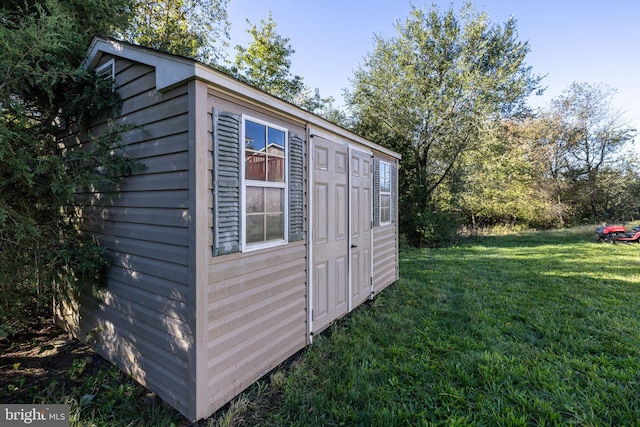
point(593, 41)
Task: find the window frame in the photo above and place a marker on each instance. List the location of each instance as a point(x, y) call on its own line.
point(385, 166)
point(244, 183)
point(108, 71)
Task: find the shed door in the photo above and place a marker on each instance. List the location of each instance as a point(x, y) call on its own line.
point(360, 225)
point(341, 239)
point(330, 235)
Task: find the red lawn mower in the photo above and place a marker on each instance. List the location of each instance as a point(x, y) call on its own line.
point(618, 234)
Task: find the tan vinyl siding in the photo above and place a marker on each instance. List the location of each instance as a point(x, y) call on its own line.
point(142, 321)
point(385, 236)
point(256, 316)
point(385, 256)
point(256, 301)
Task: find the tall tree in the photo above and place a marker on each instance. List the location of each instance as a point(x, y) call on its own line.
point(266, 62)
point(505, 180)
point(593, 135)
point(432, 91)
point(194, 28)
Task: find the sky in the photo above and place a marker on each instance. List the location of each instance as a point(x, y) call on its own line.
point(593, 41)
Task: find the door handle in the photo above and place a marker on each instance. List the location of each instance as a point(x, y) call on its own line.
point(354, 246)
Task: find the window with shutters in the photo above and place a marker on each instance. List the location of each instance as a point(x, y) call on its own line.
point(385, 193)
point(258, 184)
point(264, 184)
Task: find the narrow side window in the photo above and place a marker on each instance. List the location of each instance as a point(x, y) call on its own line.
point(385, 193)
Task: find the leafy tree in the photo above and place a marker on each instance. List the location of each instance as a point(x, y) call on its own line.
point(43, 85)
point(620, 185)
point(549, 140)
point(504, 181)
point(193, 28)
point(266, 64)
point(431, 92)
point(591, 136)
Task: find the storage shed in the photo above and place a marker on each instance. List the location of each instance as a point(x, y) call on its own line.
point(253, 226)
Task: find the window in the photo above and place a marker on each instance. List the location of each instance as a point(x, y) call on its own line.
point(385, 193)
point(107, 71)
point(264, 184)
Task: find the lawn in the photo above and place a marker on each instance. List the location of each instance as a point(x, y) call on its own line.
point(530, 329)
point(539, 328)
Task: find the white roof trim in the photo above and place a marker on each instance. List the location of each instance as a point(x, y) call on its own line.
point(172, 70)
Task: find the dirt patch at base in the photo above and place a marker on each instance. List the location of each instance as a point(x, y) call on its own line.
point(35, 357)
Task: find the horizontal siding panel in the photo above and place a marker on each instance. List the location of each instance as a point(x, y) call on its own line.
point(225, 386)
point(156, 181)
point(164, 321)
point(384, 232)
point(128, 70)
point(152, 250)
point(157, 132)
point(142, 321)
point(134, 81)
point(137, 267)
point(176, 142)
point(178, 161)
point(171, 306)
point(171, 387)
point(385, 257)
point(138, 199)
point(236, 347)
point(224, 267)
point(256, 316)
point(144, 97)
point(235, 312)
point(267, 351)
point(161, 111)
point(167, 352)
point(121, 63)
point(255, 281)
point(154, 216)
point(131, 280)
point(148, 232)
point(384, 281)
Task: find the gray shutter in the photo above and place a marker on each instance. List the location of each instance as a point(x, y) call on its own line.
point(296, 188)
point(376, 192)
point(226, 182)
point(394, 194)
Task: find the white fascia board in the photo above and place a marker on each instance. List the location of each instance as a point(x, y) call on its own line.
point(172, 70)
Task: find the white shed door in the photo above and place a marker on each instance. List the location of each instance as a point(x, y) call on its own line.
point(341, 230)
point(360, 225)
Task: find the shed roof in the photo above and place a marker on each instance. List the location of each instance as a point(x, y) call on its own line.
point(174, 70)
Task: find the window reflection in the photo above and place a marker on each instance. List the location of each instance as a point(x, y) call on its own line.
point(264, 174)
point(264, 153)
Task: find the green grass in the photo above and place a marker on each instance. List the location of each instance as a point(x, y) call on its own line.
point(529, 329)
